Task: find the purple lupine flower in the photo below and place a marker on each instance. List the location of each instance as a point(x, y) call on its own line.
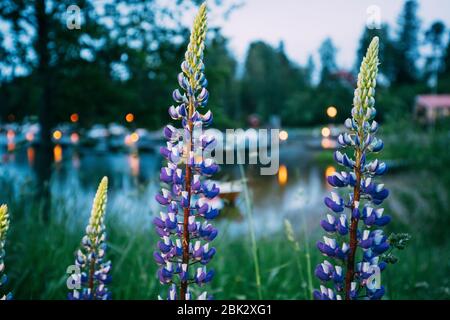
point(184, 223)
point(92, 271)
point(341, 276)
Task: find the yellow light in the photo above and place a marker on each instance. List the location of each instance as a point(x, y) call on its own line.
point(282, 175)
point(134, 137)
point(326, 132)
point(57, 153)
point(283, 135)
point(74, 137)
point(329, 171)
point(74, 117)
point(331, 111)
point(129, 117)
point(57, 135)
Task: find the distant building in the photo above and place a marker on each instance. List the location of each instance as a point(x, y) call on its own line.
point(431, 107)
point(345, 77)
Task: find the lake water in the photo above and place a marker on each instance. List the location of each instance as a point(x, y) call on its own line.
point(296, 192)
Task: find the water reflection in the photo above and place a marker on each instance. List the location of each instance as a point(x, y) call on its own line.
point(76, 160)
point(57, 153)
point(282, 175)
point(10, 136)
point(329, 171)
point(133, 161)
point(134, 182)
point(74, 138)
point(31, 155)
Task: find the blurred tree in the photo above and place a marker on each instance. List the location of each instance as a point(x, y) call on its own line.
point(221, 75)
point(446, 68)
point(407, 44)
point(264, 86)
point(310, 69)
point(434, 37)
point(327, 52)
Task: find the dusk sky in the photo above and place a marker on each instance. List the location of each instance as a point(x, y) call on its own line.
point(303, 25)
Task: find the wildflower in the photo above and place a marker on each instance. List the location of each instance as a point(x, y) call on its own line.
point(341, 276)
point(4, 226)
point(184, 223)
point(90, 260)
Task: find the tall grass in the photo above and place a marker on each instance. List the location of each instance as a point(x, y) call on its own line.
point(254, 246)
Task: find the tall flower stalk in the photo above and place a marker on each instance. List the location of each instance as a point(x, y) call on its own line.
point(184, 223)
point(4, 226)
point(351, 275)
point(94, 270)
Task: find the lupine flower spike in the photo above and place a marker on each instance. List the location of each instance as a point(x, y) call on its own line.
point(342, 276)
point(4, 226)
point(94, 271)
point(184, 222)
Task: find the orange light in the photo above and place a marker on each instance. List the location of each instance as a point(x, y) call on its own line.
point(57, 153)
point(74, 117)
point(74, 137)
point(282, 175)
point(326, 132)
point(11, 146)
point(129, 117)
point(329, 171)
point(326, 143)
point(331, 111)
point(283, 135)
point(57, 135)
point(29, 136)
point(10, 135)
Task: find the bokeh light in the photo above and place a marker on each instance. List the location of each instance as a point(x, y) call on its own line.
point(57, 135)
point(129, 117)
point(283, 135)
point(326, 132)
point(74, 117)
point(331, 111)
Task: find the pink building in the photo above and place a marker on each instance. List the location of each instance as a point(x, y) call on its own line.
point(431, 107)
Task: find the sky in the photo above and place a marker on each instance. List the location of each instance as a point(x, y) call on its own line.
point(303, 25)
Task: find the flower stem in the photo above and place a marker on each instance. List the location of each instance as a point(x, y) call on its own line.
point(91, 277)
point(185, 240)
point(353, 228)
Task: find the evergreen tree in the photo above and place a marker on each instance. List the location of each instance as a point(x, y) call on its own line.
point(434, 37)
point(327, 52)
point(407, 44)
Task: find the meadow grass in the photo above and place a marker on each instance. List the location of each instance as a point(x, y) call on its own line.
point(39, 254)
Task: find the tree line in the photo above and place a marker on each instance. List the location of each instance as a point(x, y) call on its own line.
point(126, 52)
